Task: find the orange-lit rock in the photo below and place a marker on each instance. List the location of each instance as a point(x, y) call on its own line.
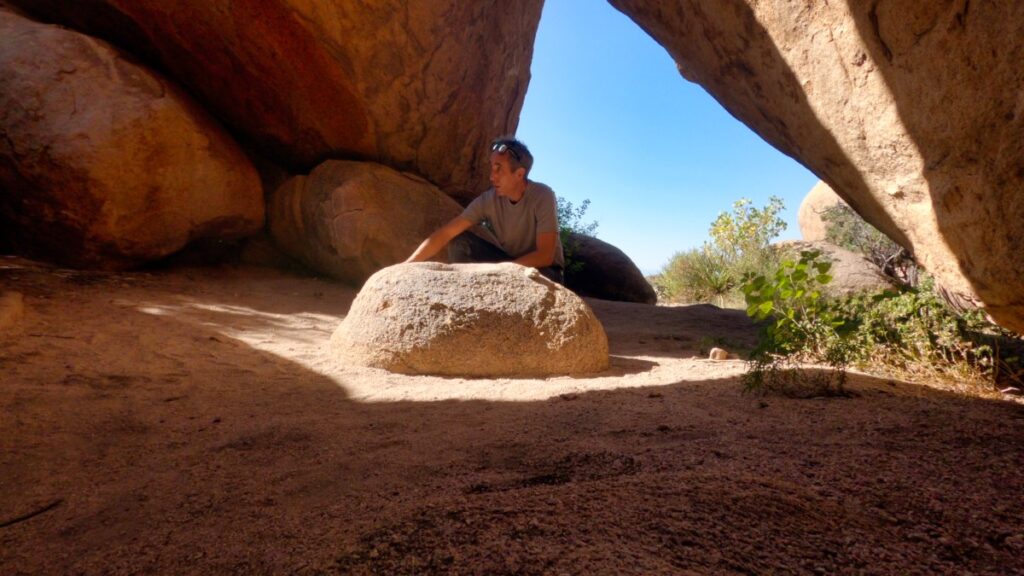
point(419, 85)
point(104, 163)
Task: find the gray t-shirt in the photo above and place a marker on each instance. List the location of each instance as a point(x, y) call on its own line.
point(515, 226)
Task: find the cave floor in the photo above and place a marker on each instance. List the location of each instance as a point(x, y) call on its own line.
point(192, 421)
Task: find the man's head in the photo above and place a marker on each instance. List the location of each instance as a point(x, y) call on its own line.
point(510, 164)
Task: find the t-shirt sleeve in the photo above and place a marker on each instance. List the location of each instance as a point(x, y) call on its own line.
point(475, 212)
point(547, 213)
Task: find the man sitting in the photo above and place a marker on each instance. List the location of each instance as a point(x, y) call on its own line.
point(519, 219)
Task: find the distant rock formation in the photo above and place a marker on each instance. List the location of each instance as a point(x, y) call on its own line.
point(813, 227)
point(605, 272)
point(419, 85)
point(104, 163)
point(481, 320)
point(910, 110)
point(350, 219)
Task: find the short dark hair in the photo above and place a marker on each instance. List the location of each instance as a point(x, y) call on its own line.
point(518, 154)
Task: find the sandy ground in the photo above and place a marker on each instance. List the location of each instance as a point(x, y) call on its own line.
point(192, 421)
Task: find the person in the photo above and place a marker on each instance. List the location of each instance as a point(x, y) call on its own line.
point(516, 220)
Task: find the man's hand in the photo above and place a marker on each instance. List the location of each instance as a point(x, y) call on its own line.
point(544, 255)
point(439, 239)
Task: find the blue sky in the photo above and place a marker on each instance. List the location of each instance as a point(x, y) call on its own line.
point(608, 118)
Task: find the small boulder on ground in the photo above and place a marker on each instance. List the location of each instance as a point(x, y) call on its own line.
point(605, 272)
point(477, 320)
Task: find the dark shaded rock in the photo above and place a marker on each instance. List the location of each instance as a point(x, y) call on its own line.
point(606, 272)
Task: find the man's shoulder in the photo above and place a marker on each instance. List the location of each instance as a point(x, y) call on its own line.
point(541, 189)
point(486, 197)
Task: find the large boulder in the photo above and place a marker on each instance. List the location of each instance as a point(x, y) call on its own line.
point(419, 85)
point(813, 227)
point(603, 271)
point(910, 110)
point(104, 163)
point(482, 320)
point(350, 219)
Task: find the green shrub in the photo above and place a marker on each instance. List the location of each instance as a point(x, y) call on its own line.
point(798, 325)
point(911, 333)
point(697, 275)
point(739, 247)
point(570, 220)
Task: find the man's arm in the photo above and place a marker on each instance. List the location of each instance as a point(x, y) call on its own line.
point(544, 255)
point(439, 239)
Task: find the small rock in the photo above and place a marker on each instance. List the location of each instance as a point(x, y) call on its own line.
point(1016, 542)
point(718, 354)
point(12, 311)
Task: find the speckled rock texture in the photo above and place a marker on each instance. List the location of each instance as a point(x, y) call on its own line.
point(104, 163)
point(350, 219)
point(419, 85)
point(476, 320)
point(605, 272)
point(911, 111)
point(813, 227)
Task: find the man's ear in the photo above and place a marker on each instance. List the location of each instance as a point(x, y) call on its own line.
point(520, 173)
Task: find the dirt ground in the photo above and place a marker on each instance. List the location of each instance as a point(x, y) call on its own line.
point(192, 421)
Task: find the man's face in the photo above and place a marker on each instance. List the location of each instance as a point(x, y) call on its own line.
point(503, 178)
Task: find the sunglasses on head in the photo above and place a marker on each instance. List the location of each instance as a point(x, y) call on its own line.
point(502, 148)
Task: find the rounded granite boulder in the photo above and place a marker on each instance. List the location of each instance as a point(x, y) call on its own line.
point(478, 320)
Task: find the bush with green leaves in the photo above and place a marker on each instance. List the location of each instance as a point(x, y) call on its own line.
point(915, 334)
point(740, 246)
point(798, 325)
point(909, 333)
point(570, 220)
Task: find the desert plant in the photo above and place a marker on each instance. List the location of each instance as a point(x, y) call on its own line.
point(910, 333)
point(743, 237)
point(913, 333)
point(740, 246)
point(797, 325)
point(697, 275)
point(570, 220)
point(847, 229)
